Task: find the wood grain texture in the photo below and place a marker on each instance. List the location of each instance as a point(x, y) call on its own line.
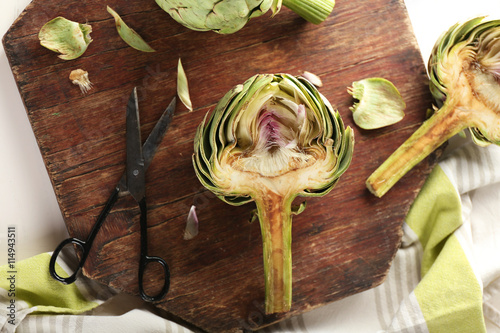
point(342, 244)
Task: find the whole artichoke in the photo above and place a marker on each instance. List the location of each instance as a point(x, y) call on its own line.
point(229, 16)
point(464, 70)
point(269, 140)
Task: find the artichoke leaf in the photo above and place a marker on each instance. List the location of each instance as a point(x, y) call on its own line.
point(191, 230)
point(66, 37)
point(379, 103)
point(183, 86)
point(129, 35)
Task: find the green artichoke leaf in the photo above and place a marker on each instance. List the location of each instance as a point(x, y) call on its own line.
point(129, 35)
point(183, 86)
point(201, 144)
point(66, 37)
point(297, 209)
point(379, 103)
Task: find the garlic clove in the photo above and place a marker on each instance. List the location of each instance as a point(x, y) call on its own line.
point(80, 78)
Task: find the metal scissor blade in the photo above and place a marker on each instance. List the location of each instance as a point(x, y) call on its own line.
point(135, 173)
point(156, 136)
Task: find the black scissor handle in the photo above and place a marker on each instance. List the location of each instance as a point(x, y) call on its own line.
point(145, 260)
point(84, 245)
point(52, 265)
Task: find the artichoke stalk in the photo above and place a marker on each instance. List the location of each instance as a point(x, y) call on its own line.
point(270, 140)
point(229, 16)
point(464, 70)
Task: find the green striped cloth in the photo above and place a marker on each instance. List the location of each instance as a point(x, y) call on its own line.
point(42, 304)
point(444, 278)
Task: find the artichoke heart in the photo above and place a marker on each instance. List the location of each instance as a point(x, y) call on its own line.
point(464, 70)
point(270, 140)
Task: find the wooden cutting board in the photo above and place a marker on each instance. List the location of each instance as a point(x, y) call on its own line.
point(342, 244)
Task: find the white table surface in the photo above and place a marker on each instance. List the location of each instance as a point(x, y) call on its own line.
point(27, 200)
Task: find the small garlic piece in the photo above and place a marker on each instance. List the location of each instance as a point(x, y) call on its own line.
point(313, 78)
point(80, 78)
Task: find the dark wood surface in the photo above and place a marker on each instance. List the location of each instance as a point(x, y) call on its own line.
point(342, 244)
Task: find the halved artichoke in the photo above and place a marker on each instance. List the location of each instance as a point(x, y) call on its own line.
point(464, 70)
point(270, 140)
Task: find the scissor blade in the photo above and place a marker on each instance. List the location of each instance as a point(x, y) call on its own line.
point(136, 181)
point(156, 136)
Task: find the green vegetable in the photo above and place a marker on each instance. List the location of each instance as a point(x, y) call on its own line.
point(183, 87)
point(229, 16)
point(66, 37)
point(380, 103)
point(129, 35)
point(464, 70)
point(270, 140)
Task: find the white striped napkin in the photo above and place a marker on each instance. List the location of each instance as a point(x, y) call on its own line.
point(42, 304)
point(446, 275)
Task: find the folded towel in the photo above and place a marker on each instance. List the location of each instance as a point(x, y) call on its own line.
point(446, 275)
point(31, 301)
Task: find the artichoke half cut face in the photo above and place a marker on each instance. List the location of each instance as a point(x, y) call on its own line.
point(278, 143)
point(464, 70)
point(465, 73)
point(269, 140)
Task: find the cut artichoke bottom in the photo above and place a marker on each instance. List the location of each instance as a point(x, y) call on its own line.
point(270, 140)
point(465, 72)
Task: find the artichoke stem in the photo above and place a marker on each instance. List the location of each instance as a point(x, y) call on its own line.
point(314, 11)
point(442, 125)
point(275, 218)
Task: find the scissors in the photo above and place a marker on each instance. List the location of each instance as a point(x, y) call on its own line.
point(132, 182)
